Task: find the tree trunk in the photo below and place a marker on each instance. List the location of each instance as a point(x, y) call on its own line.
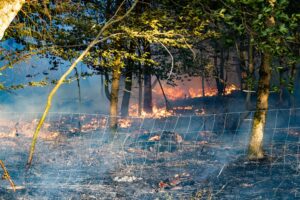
point(147, 84)
point(219, 71)
point(203, 86)
point(8, 10)
point(106, 86)
point(127, 90)
point(250, 74)
point(79, 95)
point(296, 91)
point(168, 106)
point(221, 88)
point(281, 87)
point(140, 91)
point(259, 120)
point(115, 93)
point(147, 92)
point(293, 73)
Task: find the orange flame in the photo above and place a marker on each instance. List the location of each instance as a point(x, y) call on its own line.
point(157, 112)
point(174, 93)
point(177, 93)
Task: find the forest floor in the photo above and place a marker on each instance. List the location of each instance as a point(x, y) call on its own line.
point(178, 157)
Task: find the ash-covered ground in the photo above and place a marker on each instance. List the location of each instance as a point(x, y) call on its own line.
point(178, 157)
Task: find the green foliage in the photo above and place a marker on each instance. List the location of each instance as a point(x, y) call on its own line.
point(62, 29)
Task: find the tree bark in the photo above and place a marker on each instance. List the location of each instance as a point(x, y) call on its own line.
point(114, 97)
point(255, 150)
point(140, 83)
point(219, 71)
point(106, 86)
point(147, 84)
point(293, 73)
point(127, 90)
point(147, 92)
point(8, 10)
point(168, 106)
point(203, 86)
point(221, 88)
point(250, 74)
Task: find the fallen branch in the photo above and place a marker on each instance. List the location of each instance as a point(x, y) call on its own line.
point(112, 20)
point(6, 176)
point(221, 171)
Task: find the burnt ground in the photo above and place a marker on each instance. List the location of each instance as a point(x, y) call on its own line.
point(181, 157)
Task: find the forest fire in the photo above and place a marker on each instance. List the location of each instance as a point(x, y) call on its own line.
point(177, 93)
point(147, 100)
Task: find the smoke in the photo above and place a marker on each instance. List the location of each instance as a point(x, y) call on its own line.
point(33, 99)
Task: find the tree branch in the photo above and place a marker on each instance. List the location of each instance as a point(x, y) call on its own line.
point(63, 77)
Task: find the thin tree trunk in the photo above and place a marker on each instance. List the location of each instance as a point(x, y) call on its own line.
point(202, 74)
point(219, 71)
point(140, 91)
point(168, 106)
point(251, 75)
point(114, 97)
point(106, 86)
point(78, 85)
point(238, 67)
point(216, 68)
point(296, 89)
point(147, 92)
point(79, 95)
point(147, 84)
point(281, 87)
point(259, 120)
point(243, 66)
point(8, 10)
point(221, 88)
point(127, 90)
point(293, 73)
point(203, 86)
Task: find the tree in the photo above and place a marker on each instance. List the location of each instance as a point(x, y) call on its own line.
point(8, 10)
point(114, 97)
point(147, 83)
point(271, 30)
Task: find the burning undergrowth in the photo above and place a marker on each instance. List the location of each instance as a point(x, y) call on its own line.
point(172, 157)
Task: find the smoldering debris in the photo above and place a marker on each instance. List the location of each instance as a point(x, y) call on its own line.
point(151, 158)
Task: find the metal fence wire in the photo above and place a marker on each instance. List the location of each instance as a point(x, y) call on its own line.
point(176, 157)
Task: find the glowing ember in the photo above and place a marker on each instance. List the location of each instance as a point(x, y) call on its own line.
point(157, 112)
point(200, 112)
point(124, 123)
point(183, 108)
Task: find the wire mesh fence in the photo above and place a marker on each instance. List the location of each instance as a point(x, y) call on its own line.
point(177, 157)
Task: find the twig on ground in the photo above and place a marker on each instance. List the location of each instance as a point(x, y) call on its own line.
point(220, 190)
